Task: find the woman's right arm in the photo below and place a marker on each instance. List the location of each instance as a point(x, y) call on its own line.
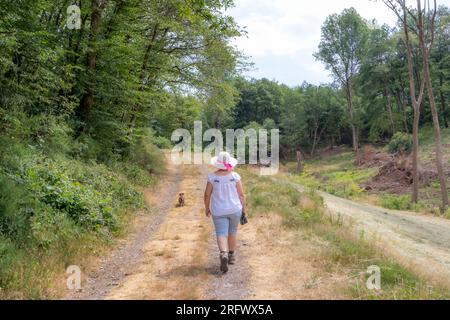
point(207, 198)
point(240, 190)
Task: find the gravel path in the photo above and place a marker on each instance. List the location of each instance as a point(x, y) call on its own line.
point(232, 285)
point(114, 268)
point(140, 266)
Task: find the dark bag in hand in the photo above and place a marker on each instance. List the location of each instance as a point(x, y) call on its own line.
point(244, 218)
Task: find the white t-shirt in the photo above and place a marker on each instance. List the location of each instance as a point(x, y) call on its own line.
point(224, 198)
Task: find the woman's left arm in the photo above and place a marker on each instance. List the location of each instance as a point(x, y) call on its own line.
point(207, 198)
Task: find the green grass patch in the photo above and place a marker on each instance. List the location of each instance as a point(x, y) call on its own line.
point(398, 202)
point(336, 175)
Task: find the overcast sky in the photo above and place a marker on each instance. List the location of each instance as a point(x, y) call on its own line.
point(282, 35)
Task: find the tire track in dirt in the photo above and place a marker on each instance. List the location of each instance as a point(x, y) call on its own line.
point(174, 258)
point(181, 260)
point(116, 266)
point(232, 285)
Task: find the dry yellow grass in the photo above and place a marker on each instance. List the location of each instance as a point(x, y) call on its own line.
point(284, 263)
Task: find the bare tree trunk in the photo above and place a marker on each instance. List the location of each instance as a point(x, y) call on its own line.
point(426, 74)
point(313, 149)
point(437, 137)
point(415, 153)
point(148, 50)
point(443, 102)
point(416, 102)
point(402, 106)
point(352, 122)
point(88, 98)
point(389, 109)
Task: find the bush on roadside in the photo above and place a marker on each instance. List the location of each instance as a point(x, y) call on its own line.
point(447, 214)
point(81, 202)
point(162, 142)
point(145, 154)
point(396, 202)
point(401, 142)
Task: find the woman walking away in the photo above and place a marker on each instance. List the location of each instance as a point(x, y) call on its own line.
point(224, 200)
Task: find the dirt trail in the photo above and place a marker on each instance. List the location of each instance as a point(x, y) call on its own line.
point(112, 269)
point(181, 261)
point(421, 241)
point(174, 255)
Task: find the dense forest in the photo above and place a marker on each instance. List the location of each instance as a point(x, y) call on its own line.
point(85, 111)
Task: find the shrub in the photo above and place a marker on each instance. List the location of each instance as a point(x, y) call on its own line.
point(400, 143)
point(146, 155)
point(81, 202)
point(162, 142)
point(25, 220)
point(8, 256)
point(16, 208)
point(396, 202)
point(311, 207)
point(447, 214)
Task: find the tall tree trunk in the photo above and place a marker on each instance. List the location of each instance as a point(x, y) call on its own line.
point(351, 116)
point(402, 107)
point(97, 7)
point(437, 136)
point(389, 109)
point(415, 153)
point(134, 109)
point(443, 102)
point(416, 102)
point(299, 162)
point(426, 74)
point(313, 149)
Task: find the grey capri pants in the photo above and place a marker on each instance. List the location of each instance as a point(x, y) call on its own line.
point(227, 224)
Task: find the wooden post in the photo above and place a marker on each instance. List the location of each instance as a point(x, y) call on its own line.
point(299, 162)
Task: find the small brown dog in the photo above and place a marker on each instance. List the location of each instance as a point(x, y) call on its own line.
point(181, 201)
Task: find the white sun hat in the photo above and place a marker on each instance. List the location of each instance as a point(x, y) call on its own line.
point(224, 161)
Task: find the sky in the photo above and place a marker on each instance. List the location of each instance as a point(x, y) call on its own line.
point(283, 35)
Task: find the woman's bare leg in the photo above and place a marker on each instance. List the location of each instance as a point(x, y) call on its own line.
point(222, 242)
point(232, 240)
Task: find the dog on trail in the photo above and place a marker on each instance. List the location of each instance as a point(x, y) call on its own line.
point(181, 201)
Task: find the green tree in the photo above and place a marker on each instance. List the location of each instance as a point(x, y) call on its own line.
point(259, 99)
point(342, 47)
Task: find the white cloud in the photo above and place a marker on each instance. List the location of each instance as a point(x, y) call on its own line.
point(284, 34)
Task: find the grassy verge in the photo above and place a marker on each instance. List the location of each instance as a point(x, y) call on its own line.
point(57, 210)
point(336, 175)
point(342, 252)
